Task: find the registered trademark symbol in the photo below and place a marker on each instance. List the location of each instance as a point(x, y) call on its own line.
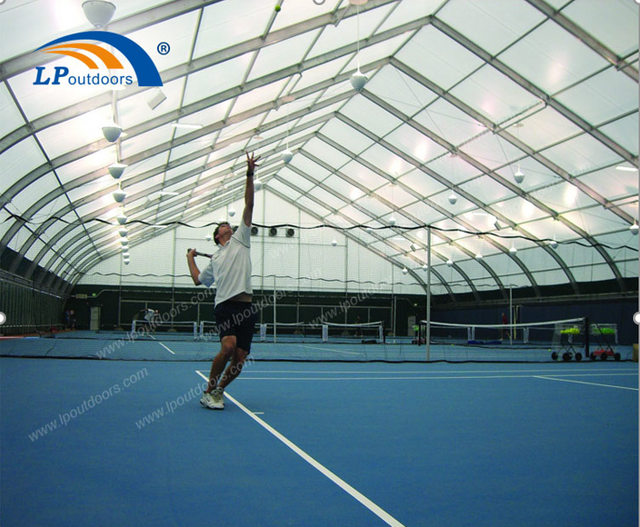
point(163, 48)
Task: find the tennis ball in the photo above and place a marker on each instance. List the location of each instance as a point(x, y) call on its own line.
point(278, 8)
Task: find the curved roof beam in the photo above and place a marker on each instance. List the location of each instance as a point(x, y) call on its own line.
point(515, 189)
point(170, 144)
point(433, 205)
point(363, 211)
point(591, 42)
point(534, 90)
point(212, 59)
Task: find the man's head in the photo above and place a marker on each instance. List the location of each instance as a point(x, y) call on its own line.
point(222, 233)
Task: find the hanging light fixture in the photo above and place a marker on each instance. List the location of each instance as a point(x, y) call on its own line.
point(634, 228)
point(334, 243)
point(452, 197)
point(122, 219)
point(231, 211)
point(513, 249)
point(119, 195)
point(98, 13)
point(111, 132)
point(519, 175)
point(123, 232)
point(425, 268)
point(450, 262)
point(116, 170)
point(392, 220)
point(358, 79)
point(405, 270)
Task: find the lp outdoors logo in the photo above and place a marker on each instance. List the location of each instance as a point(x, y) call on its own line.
point(142, 64)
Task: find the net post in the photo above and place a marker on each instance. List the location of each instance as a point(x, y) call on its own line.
point(274, 311)
point(586, 338)
point(428, 327)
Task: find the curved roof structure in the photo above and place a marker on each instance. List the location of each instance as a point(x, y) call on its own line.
point(509, 128)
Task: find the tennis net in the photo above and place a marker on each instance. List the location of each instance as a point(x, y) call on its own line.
point(364, 333)
point(142, 329)
point(534, 341)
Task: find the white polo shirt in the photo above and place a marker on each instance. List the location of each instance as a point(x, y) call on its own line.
point(230, 266)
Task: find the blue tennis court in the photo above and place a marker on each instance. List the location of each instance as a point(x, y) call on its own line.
point(315, 444)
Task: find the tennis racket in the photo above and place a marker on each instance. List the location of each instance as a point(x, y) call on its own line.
point(199, 254)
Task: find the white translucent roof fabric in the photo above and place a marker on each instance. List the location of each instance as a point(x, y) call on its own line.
point(462, 97)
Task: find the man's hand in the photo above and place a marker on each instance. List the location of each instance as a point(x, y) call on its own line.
point(252, 163)
point(193, 268)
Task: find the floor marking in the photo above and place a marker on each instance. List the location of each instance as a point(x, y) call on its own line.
point(457, 377)
point(589, 383)
point(383, 515)
point(424, 372)
point(162, 344)
point(329, 349)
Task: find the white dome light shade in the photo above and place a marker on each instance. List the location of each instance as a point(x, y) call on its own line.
point(116, 170)
point(98, 13)
point(453, 198)
point(478, 256)
point(123, 232)
point(122, 219)
point(518, 176)
point(126, 262)
point(405, 271)
point(425, 267)
point(450, 262)
point(232, 212)
point(554, 244)
point(208, 237)
point(392, 220)
point(119, 195)
point(124, 242)
point(513, 250)
point(634, 229)
point(334, 243)
point(358, 80)
point(111, 132)
point(287, 155)
point(257, 184)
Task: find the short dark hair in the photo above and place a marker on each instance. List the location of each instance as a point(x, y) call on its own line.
point(215, 233)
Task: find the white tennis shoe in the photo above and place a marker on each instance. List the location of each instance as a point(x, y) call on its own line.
point(213, 400)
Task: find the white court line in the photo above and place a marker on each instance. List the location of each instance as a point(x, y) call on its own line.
point(583, 382)
point(454, 378)
point(424, 372)
point(162, 344)
point(329, 349)
point(380, 513)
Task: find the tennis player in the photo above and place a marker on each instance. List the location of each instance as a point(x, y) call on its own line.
point(230, 269)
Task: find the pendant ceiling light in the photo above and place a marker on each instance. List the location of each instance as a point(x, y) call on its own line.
point(358, 79)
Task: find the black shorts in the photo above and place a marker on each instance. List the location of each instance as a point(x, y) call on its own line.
point(236, 319)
